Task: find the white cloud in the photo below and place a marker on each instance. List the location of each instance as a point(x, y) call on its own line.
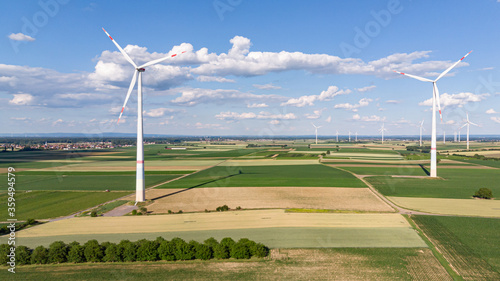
point(327, 95)
point(354, 107)
point(393, 101)
point(450, 122)
point(315, 115)
point(21, 37)
point(269, 86)
point(257, 105)
point(204, 78)
point(250, 115)
point(200, 125)
point(21, 99)
point(366, 89)
point(190, 97)
point(329, 119)
point(491, 111)
point(496, 119)
point(20, 118)
point(372, 118)
point(159, 112)
point(274, 122)
point(458, 100)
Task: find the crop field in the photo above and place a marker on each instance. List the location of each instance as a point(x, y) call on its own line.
point(445, 206)
point(275, 228)
point(200, 199)
point(268, 162)
point(455, 183)
point(471, 245)
point(401, 170)
point(284, 264)
point(51, 204)
point(255, 176)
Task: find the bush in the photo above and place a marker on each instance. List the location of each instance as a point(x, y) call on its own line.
point(4, 251)
point(484, 193)
point(143, 210)
point(227, 242)
point(23, 255)
point(203, 252)
point(76, 253)
point(147, 251)
point(221, 252)
point(31, 221)
point(240, 251)
point(222, 208)
point(93, 213)
point(134, 212)
point(112, 253)
point(166, 251)
point(183, 250)
point(93, 251)
point(129, 252)
point(40, 255)
point(211, 242)
point(259, 250)
point(58, 252)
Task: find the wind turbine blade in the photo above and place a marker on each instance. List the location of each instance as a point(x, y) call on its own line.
point(120, 48)
point(159, 60)
point(414, 76)
point(451, 67)
point(463, 126)
point(130, 88)
point(474, 124)
point(436, 92)
point(467, 114)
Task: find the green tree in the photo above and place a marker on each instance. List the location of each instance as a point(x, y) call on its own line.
point(58, 252)
point(183, 250)
point(259, 250)
point(76, 253)
point(211, 242)
point(166, 251)
point(221, 252)
point(4, 251)
point(240, 251)
point(93, 251)
point(40, 255)
point(203, 252)
point(227, 242)
point(23, 255)
point(129, 251)
point(147, 251)
point(112, 253)
point(484, 193)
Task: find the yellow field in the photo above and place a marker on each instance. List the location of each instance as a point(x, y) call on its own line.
point(159, 165)
point(493, 153)
point(212, 221)
point(199, 199)
point(461, 207)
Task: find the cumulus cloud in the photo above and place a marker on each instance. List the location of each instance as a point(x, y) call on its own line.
point(329, 119)
point(491, 111)
point(21, 37)
point(393, 101)
point(372, 118)
point(21, 99)
point(200, 125)
point(326, 95)
point(495, 119)
point(159, 112)
point(257, 105)
point(458, 100)
point(366, 89)
point(315, 115)
point(194, 96)
point(274, 122)
point(204, 78)
point(269, 86)
point(354, 107)
point(250, 115)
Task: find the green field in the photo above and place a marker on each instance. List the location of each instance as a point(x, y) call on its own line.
point(248, 176)
point(45, 204)
point(89, 181)
point(472, 245)
point(456, 183)
point(287, 264)
point(417, 171)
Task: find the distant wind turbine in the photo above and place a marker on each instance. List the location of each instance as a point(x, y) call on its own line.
point(421, 128)
point(435, 100)
point(316, 131)
point(349, 136)
point(337, 136)
point(468, 123)
point(382, 130)
point(356, 140)
point(444, 137)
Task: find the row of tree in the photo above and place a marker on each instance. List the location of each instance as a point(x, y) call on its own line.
point(141, 250)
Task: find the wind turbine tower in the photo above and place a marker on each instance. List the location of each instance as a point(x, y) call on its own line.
point(316, 131)
point(468, 123)
point(140, 183)
point(435, 100)
point(337, 136)
point(382, 130)
point(421, 128)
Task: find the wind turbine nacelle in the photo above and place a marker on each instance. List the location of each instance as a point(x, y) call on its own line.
point(141, 69)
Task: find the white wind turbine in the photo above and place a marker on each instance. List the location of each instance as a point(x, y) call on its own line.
point(468, 123)
point(382, 130)
point(444, 137)
point(337, 136)
point(421, 128)
point(349, 136)
point(316, 131)
point(140, 183)
point(435, 99)
point(356, 139)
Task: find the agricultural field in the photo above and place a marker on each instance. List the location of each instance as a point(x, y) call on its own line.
point(275, 228)
point(272, 175)
point(471, 245)
point(446, 206)
point(283, 264)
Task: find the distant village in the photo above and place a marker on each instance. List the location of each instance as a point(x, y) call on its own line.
point(63, 146)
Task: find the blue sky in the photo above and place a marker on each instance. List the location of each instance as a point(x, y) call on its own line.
point(258, 68)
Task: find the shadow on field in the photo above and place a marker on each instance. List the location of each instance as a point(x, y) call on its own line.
point(425, 170)
point(198, 185)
